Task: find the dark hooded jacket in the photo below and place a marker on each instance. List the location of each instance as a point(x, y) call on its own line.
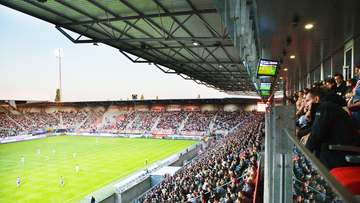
point(332, 126)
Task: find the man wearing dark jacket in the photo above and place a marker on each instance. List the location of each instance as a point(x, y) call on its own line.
point(331, 125)
point(340, 85)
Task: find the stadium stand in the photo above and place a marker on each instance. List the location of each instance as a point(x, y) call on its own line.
point(121, 122)
point(72, 118)
point(115, 121)
point(171, 120)
point(225, 170)
point(199, 121)
point(226, 120)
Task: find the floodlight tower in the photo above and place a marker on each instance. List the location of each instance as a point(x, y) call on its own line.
point(59, 53)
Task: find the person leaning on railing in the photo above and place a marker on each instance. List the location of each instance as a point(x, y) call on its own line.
point(331, 125)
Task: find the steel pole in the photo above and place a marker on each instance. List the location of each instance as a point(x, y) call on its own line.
point(60, 77)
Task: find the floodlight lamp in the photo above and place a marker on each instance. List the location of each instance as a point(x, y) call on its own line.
point(285, 69)
point(309, 26)
point(292, 56)
point(195, 43)
point(59, 53)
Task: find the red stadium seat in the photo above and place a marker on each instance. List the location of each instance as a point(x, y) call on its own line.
point(348, 177)
point(256, 181)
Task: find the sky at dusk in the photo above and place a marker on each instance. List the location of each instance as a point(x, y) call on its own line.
point(97, 73)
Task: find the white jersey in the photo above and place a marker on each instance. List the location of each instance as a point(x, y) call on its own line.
point(77, 169)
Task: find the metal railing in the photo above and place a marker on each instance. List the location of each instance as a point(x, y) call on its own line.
point(279, 139)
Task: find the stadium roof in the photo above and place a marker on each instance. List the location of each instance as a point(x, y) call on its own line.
point(195, 38)
point(163, 33)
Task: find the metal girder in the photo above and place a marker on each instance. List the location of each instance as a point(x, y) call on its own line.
point(189, 62)
point(179, 47)
point(189, 39)
point(142, 16)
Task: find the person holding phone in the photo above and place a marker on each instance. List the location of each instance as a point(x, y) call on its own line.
point(331, 125)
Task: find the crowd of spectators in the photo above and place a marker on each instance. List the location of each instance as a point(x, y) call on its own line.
point(171, 120)
point(23, 121)
point(328, 113)
point(91, 119)
point(216, 174)
point(308, 185)
point(146, 120)
point(6, 122)
point(73, 118)
point(164, 120)
point(52, 120)
point(199, 121)
point(226, 120)
point(120, 123)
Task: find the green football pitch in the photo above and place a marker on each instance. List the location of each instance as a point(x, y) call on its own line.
point(99, 165)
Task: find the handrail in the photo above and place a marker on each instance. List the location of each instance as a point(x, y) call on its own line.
point(338, 188)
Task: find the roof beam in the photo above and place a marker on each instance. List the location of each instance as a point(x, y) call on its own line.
point(142, 16)
point(179, 47)
point(189, 62)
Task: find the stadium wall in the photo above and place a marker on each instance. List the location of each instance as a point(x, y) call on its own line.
point(232, 107)
point(249, 107)
point(188, 156)
point(210, 107)
point(51, 109)
point(136, 191)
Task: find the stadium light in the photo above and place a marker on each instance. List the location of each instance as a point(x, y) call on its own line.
point(59, 53)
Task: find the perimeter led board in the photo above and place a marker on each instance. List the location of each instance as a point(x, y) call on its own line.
point(265, 86)
point(267, 67)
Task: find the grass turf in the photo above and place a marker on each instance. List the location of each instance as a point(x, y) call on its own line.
point(99, 165)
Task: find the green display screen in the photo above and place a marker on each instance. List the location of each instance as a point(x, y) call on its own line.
point(265, 86)
point(265, 93)
point(267, 68)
